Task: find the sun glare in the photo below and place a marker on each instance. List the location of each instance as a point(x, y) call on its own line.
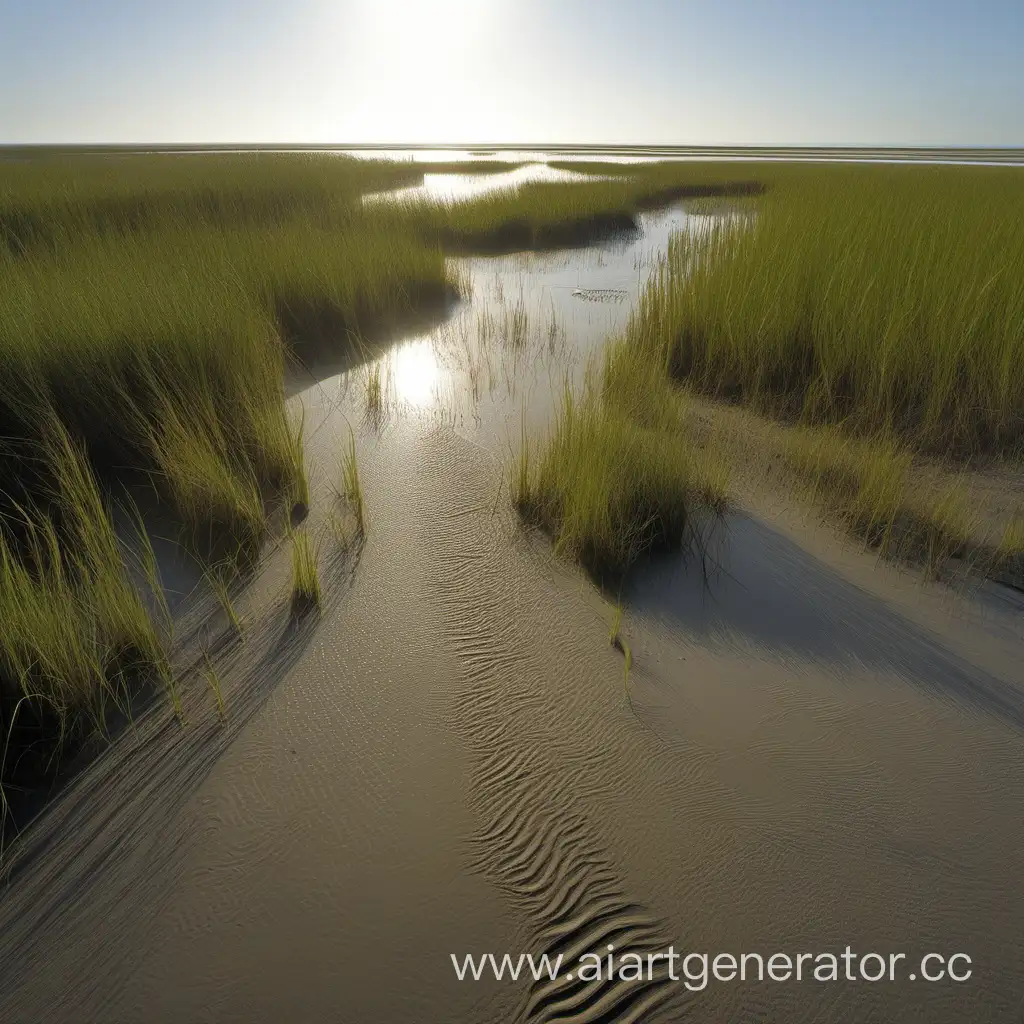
point(410, 63)
point(416, 373)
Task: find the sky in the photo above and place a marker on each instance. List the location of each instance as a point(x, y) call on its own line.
point(659, 72)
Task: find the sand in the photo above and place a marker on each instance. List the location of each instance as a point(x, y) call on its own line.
point(811, 750)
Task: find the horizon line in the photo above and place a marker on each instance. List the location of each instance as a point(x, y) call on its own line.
point(534, 146)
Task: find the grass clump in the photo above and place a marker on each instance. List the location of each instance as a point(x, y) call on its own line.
point(619, 642)
point(213, 681)
point(305, 575)
point(221, 577)
point(75, 631)
point(609, 488)
point(351, 486)
point(374, 393)
point(870, 485)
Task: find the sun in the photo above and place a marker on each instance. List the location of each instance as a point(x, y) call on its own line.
point(407, 66)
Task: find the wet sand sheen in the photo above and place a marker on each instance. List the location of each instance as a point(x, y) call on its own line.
point(812, 751)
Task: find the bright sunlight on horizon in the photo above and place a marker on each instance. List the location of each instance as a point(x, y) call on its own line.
point(660, 72)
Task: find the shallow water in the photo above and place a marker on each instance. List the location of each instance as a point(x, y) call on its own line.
point(810, 750)
point(453, 187)
point(642, 154)
point(529, 323)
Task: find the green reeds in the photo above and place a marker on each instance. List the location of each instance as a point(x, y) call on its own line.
point(374, 394)
point(213, 681)
point(351, 486)
point(75, 631)
point(220, 578)
point(305, 575)
point(609, 488)
point(147, 309)
point(887, 300)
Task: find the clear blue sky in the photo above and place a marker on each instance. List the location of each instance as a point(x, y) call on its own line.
point(699, 72)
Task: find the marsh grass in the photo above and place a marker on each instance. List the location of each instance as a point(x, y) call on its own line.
point(306, 593)
point(351, 486)
point(150, 569)
point(556, 331)
point(340, 530)
point(47, 200)
point(470, 166)
point(163, 626)
point(870, 486)
point(379, 392)
point(76, 634)
point(614, 634)
point(878, 312)
point(374, 398)
point(617, 640)
point(221, 578)
point(608, 487)
point(522, 479)
point(547, 215)
point(1010, 555)
point(887, 300)
point(295, 473)
point(213, 681)
point(148, 306)
point(163, 355)
point(485, 325)
point(1011, 544)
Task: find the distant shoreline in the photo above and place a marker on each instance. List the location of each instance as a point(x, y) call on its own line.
point(925, 154)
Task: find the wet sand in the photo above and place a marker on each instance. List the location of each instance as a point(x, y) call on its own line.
point(812, 750)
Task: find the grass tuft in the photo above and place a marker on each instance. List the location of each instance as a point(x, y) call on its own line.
point(351, 486)
point(76, 634)
point(305, 575)
point(609, 488)
point(213, 681)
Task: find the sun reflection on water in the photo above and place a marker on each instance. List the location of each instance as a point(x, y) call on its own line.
point(416, 373)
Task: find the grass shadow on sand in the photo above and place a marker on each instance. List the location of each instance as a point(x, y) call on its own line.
point(775, 597)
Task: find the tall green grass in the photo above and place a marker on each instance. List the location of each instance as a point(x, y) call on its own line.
point(148, 307)
point(879, 308)
point(888, 300)
point(162, 350)
point(351, 485)
point(609, 486)
point(75, 631)
point(305, 575)
point(46, 200)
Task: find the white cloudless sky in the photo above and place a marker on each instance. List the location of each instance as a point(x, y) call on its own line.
point(716, 72)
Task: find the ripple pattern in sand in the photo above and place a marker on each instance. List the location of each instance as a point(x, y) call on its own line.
point(530, 782)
